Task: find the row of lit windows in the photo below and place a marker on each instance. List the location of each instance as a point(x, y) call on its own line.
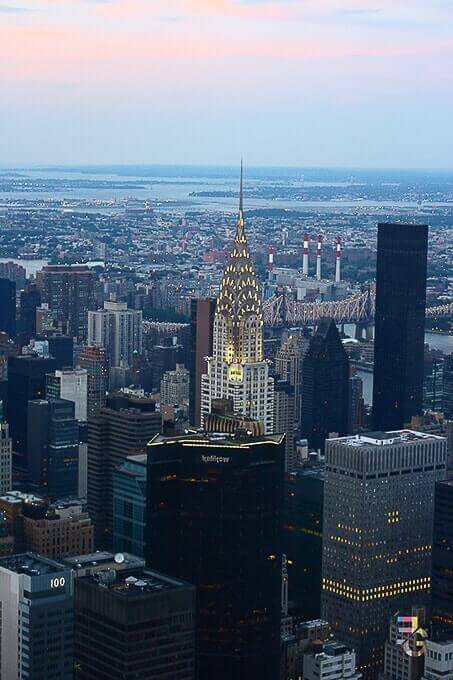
point(367, 594)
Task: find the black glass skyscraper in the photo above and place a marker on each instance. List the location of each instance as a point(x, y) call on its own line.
point(8, 307)
point(214, 519)
point(26, 381)
point(399, 324)
point(442, 577)
point(325, 386)
point(30, 299)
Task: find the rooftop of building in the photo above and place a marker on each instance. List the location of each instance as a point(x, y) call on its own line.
point(20, 497)
point(371, 439)
point(100, 557)
point(30, 564)
point(213, 439)
point(133, 583)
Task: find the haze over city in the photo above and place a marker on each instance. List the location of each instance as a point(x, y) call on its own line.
point(297, 83)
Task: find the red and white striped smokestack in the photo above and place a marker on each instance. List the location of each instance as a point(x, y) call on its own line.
point(338, 261)
point(270, 258)
point(318, 258)
point(305, 257)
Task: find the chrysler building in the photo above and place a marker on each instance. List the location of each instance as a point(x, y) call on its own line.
point(237, 368)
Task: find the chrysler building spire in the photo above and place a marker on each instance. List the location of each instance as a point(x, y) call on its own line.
point(237, 369)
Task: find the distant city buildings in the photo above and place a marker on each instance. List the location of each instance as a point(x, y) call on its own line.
point(72, 385)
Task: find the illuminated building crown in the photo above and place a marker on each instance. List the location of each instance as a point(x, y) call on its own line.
point(239, 301)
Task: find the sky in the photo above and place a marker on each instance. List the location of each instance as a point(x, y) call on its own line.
point(346, 83)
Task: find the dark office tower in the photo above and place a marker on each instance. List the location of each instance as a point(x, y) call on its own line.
point(399, 324)
point(325, 380)
point(164, 358)
point(61, 347)
point(94, 361)
point(447, 398)
point(357, 404)
point(122, 428)
point(377, 534)
point(201, 327)
point(303, 543)
point(69, 290)
point(53, 448)
point(214, 519)
point(30, 299)
point(8, 307)
point(284, 419)
point(133, 623)
point(442, 576)
point(36, 638)
point(26, 381)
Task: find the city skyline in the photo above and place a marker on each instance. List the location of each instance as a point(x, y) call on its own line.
point(285, 83)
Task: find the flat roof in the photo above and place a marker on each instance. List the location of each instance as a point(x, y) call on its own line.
point(101, 557)
point(30, 564)
point(210, 439)
point(367, 439)
point(133, 583)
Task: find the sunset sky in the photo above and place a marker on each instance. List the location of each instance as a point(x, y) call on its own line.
point(365, 83)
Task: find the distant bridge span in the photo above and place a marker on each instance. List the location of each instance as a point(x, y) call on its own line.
point(280, 310)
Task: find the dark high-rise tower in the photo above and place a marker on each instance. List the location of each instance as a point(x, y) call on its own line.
point(399, 323)
point(8, 307)
point(325, 380)
point(30, 299)
point(201, 326)
point(214, 519)
point(26, 381)
point(121, 428)
point(442, 577)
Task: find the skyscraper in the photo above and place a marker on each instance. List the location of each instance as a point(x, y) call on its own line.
point(447, 397)
point(6, 449)
point(284, 419)
point(94, 361)
point(30, 299)
point(377, 534)
point(26, 381)
point(237, 368)
point(70, 384)
point(288, 365)
point(123, 427)
point(8, 307)
point(201, 329)
point(118, 330)
point(214, 518)
point(325, 380)
point(399, 324)
point(129, 505)
point(69, 290)
point(53, 447)
point(133, 623)
point(36, 638)
point(442, 585)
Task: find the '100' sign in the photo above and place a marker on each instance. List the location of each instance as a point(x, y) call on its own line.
point(57, 582)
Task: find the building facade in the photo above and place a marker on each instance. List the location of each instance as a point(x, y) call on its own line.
point(399, 324)
point(94, 361)
point(36, 636)
point(201, 330)
point(8, 307)
point(118, 330)
point(134, 623)
point(214, 518)
point(72, 385)
point(377, 533)
point(6, 453)
point(442, 575)
point(325, 380)
point(129, 505)
point(69, 292)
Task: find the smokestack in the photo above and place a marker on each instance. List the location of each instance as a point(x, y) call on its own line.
point(270, 259)
point(305, 257)
point(338, 261)
point(318, 258)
